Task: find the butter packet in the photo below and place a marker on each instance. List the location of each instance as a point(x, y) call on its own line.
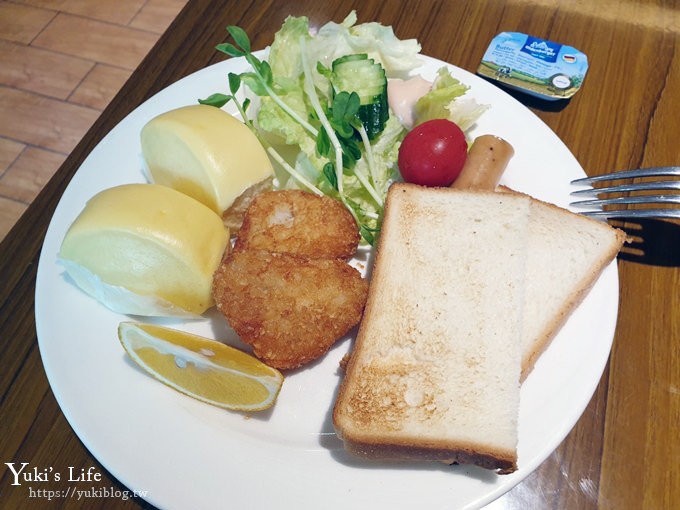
point(537, 67)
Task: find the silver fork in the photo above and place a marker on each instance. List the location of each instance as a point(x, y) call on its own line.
point(657, 185)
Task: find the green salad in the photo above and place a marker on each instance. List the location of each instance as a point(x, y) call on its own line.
point(318, 102)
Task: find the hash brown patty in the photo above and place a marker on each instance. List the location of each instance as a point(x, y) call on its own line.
point(300, 223)
point(290, 309)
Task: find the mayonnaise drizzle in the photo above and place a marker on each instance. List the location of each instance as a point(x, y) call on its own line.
point(402, 96)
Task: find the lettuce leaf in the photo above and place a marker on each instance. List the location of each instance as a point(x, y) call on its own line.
point(398, 57)
point(284, 53)
point(444, 101)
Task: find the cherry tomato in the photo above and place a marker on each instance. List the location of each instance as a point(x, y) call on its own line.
point(433, 153)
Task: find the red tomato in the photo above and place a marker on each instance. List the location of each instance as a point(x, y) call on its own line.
point(433, 153)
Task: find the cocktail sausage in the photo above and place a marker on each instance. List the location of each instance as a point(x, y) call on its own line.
point(486, 161)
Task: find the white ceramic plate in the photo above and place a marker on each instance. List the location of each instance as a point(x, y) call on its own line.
point(186, 454)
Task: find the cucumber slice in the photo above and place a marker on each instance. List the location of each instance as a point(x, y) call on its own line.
point(360, 74)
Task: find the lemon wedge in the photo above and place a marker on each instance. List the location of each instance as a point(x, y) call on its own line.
point(205, 153)
point(201, 368)
point(145, 249)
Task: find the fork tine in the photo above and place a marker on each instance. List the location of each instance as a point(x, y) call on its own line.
point(638, 199)
point(609, 213)
point(639, 186)
point(630, 174)
point(634, 213)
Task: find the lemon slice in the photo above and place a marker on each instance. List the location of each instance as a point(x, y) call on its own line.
point(201, 368)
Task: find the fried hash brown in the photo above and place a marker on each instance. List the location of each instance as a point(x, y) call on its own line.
point(233, 217)
point(298, 222)
point(290, 309)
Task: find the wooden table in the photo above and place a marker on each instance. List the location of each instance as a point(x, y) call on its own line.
point(624, 453)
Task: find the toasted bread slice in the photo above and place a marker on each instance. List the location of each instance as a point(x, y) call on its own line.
point(435, 370)
point(567, 253)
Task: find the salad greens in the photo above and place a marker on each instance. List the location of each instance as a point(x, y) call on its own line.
point(444, 101)
point(315, 132)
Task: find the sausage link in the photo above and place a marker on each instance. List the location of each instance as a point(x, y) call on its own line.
point(486, 161)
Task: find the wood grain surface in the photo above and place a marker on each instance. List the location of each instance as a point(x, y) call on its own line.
point(61, 62)
point(624, 452)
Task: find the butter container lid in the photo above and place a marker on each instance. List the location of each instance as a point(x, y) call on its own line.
point(535, 66)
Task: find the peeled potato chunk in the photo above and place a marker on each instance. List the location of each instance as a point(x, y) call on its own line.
point(145, 249)
point(205, 153)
